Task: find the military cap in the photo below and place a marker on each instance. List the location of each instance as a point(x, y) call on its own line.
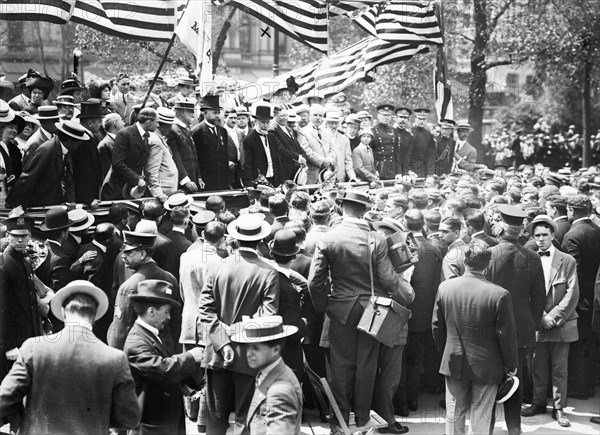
point(447, 123)
point(135, 240)
point(203, 217)
point(511, 214)
point(19, 225)
point(404, 111)
point(386, 107)
point(422, 112)
point(580, 202)
point(363, 114)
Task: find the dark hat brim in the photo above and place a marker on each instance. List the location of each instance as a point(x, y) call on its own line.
point(143, 298)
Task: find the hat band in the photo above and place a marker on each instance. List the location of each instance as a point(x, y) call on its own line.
point(48, 113)
point(250, 232)
point(264, 332)
point(74, 132)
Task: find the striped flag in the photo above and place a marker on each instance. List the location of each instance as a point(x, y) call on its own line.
point(443, 94)
point(407, 22)
point(346, 67)
point(152, 20)
point(194, 30)
point(302, 20)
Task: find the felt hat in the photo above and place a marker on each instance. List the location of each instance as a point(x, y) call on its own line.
point(284, 243)
point(57, 218)
point(19, 225)
point(388, 223)
point(178, 199)
point(262, 111)
point(210, 102)
point(135, 240)
point(79, 287)
point(357, 197)
point(385, 107)
point(249, 228)
point(511, 214)
point(90, 109)
point(155, 290)
point(82, 220)
point(352, 119)
point(260, 330)
point(542, 218)
point(73, 129)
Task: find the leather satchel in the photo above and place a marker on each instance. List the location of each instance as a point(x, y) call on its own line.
point(383, 319)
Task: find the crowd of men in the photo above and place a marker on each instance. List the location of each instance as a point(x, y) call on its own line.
point(160, 311)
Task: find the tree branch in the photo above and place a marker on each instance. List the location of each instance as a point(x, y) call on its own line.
point(221, 38)
point(501, 12)
point(500, 62)
point(468, 38)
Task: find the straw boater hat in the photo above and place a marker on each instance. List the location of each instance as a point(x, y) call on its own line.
point(81, 220)
point(74, 130)
point(7, 116)
point(249, 228)
point(79, 287)
point(49, 113)
point(261, 329)
point(165, 115)
point(178, 200)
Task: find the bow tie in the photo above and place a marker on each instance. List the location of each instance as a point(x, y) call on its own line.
point(544, 253)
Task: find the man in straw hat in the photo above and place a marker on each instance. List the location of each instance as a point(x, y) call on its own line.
point(161, 170)
point(47, 117)
point(353, 354)
point(157, 371)
point(465, 154)
point(276, 406)
point(518, 270)
point(47, 178)
point(73, 382)
point(245, 285)
point(474, 364)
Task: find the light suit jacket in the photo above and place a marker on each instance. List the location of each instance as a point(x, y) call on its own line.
point(562, 295)
point(316, 150)
point(339, 146)
point(276, 406)
point(161, 170)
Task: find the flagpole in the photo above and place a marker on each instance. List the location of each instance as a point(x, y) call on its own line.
point(162, 62)
point(327, 20)
point(275, 53)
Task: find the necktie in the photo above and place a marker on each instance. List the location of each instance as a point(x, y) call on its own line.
point(146, 136)
point(66, 174)
point(258, 380)
point(544, 253)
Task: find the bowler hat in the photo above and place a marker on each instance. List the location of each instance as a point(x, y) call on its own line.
point(260, 330)
point(79, 287)
point(90, 109)
point(73, 129)
point(262, 111)
point(542, 218)
point(155, 290)
point(357, 197)
point(57, 218)
point(19, 225)
point(284, 243)
point(249, 228)
point(210, 102)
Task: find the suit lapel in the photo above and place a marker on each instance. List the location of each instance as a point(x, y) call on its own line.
point(160, 347)
point(555, 268)
point(260, 393)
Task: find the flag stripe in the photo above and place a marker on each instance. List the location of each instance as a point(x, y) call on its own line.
point(148, 20)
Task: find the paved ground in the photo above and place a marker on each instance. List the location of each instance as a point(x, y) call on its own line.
point(430, 419)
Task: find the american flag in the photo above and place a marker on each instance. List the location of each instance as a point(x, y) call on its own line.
point(152, 20)
point(407, 22)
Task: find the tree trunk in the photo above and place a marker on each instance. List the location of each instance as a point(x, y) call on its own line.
point(221, 38)
point(477, 87)
point(586, 102)
point(38, 32)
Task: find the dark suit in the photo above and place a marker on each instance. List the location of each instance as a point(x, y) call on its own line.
point(185, 157)
point(242, 285)
point(40, 182)
point(60, 263)
point(179, 245)
point(157, 373)
point(423, 156)
point(344, 256)
point(583, 243)
point(19, 316)
point(34, 142)
point(74, 384)
point(474, 328)
point(289, 150)
point(564, 225)
point(87, 171)
point(444, 155)
point(12, 163)
point(406, 143)
point(213, 156)
point(130, 155)
point(255, 158)
point(519, 270)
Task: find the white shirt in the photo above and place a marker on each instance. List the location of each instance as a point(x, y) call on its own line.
point(265, 143)
point(547, 266)
point(141, 130)
point(99, 245)
point(150, 328)
point(5, 148)
point(580, 220)
point(235, 138)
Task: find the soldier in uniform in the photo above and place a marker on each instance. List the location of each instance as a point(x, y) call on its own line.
point(444, 148)
point(385, 142)
point(405, 141)
point(423, 155)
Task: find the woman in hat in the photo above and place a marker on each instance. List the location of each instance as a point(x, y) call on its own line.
point(362, 156)
point(102, 92)
point(39, 88)
point(11, 125)
point(31, 126)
